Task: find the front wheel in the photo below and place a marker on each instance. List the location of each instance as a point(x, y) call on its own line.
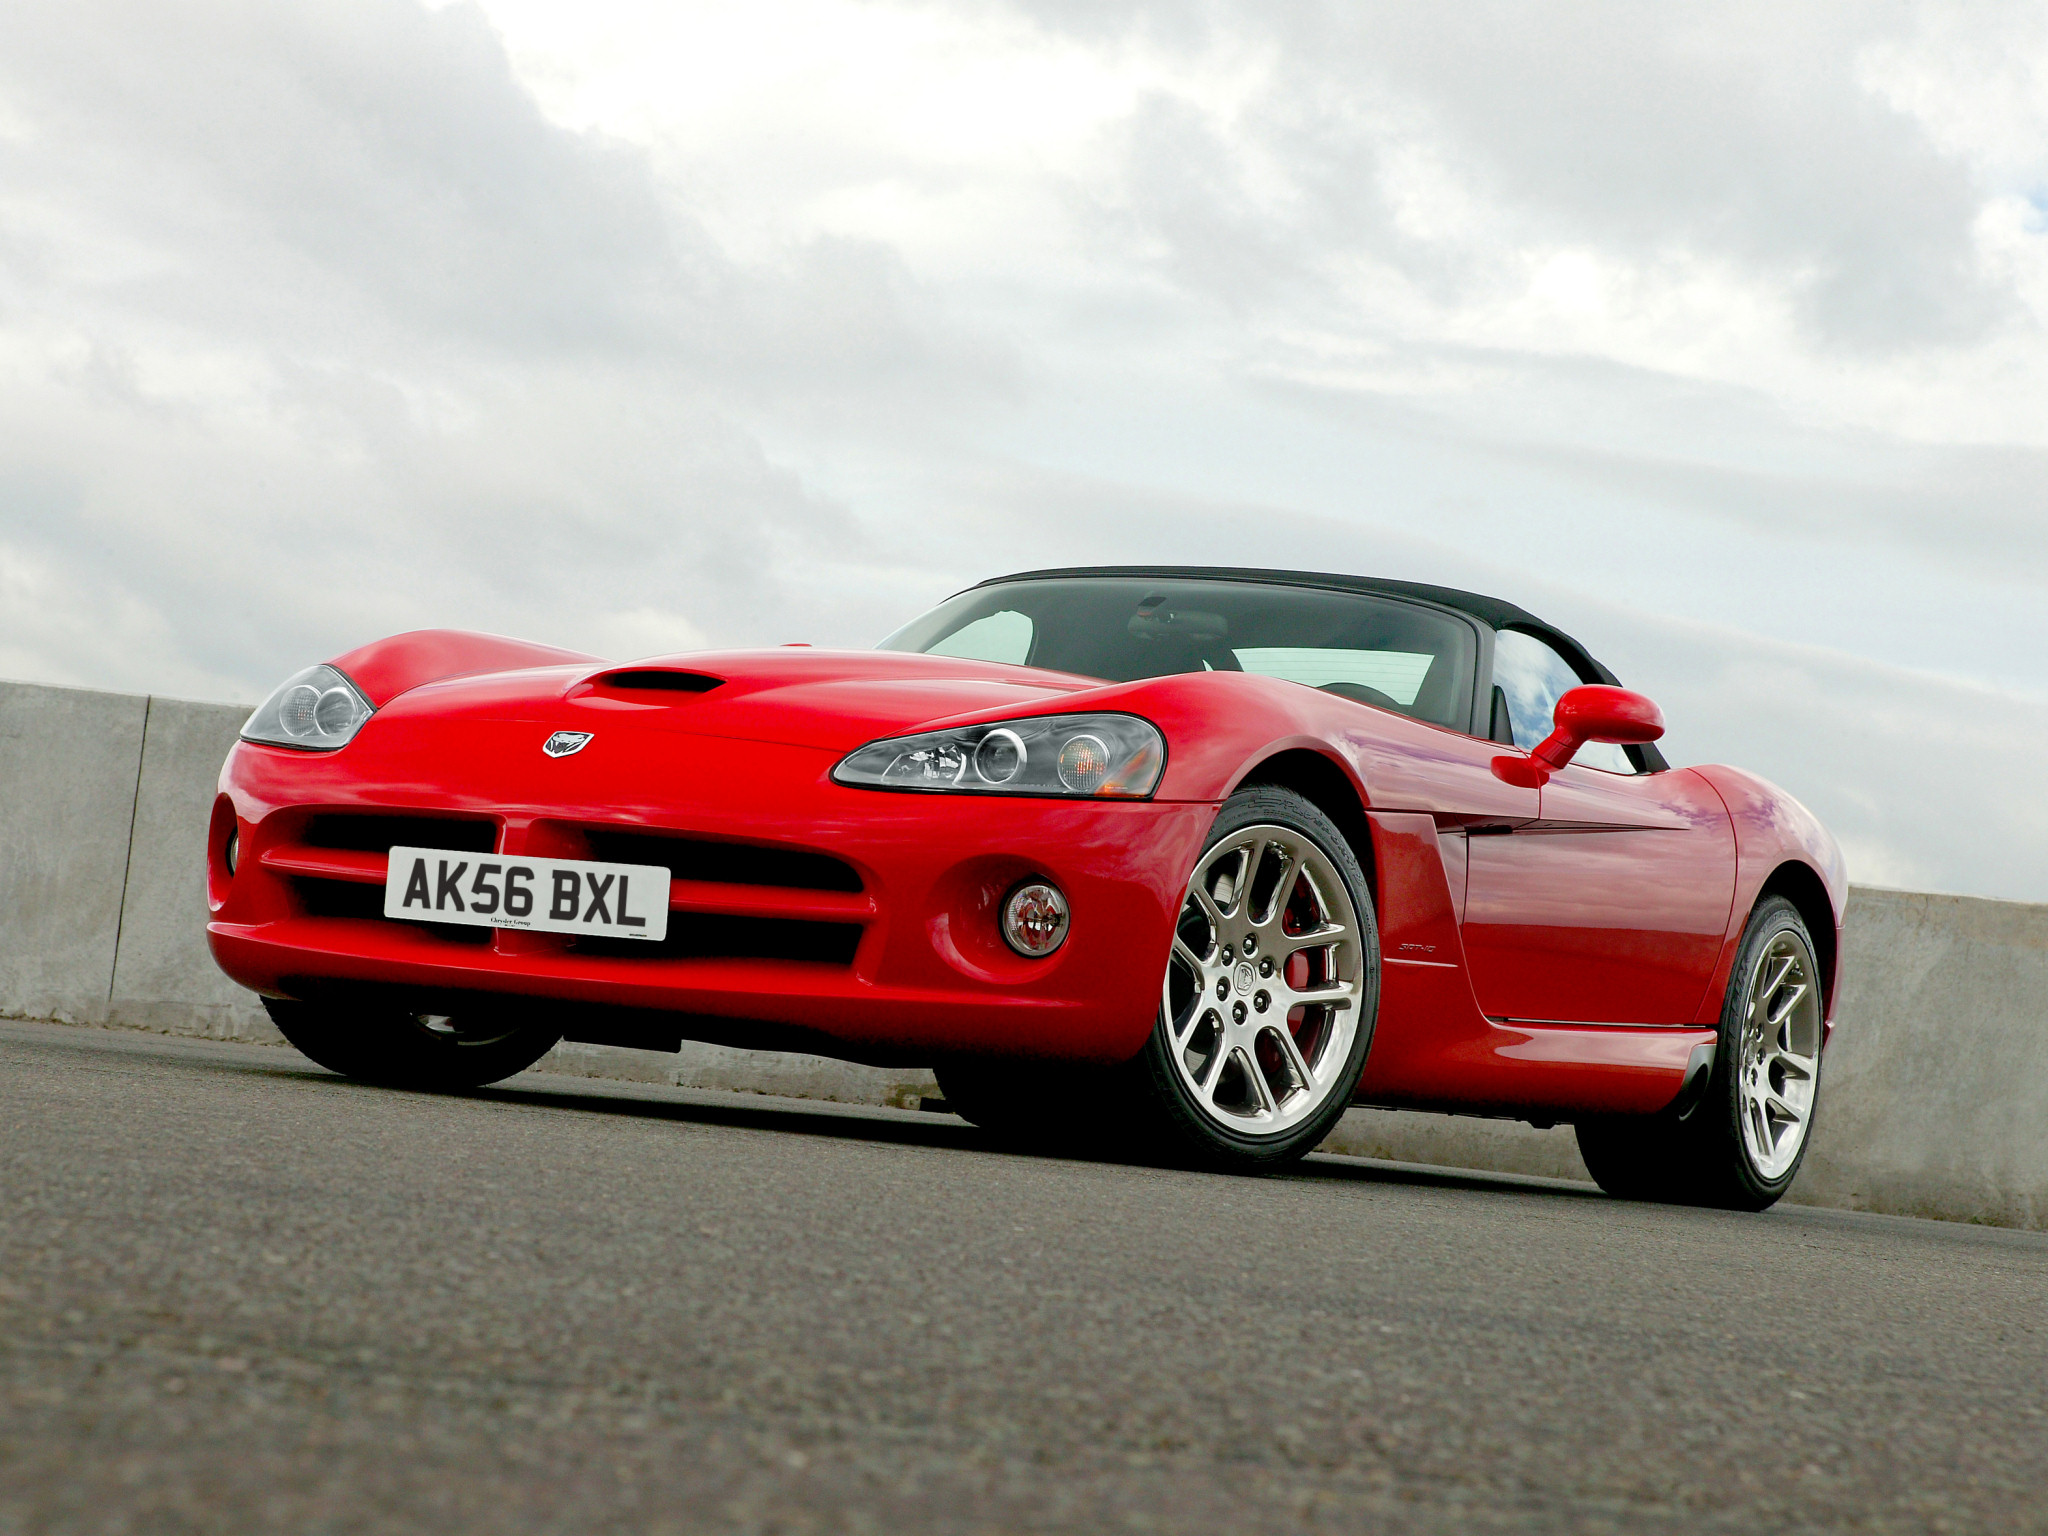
point(412, 1050)
point(1740, 1146)
point(1270, 993)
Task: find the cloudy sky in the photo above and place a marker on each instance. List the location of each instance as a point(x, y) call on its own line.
point(1713, 333)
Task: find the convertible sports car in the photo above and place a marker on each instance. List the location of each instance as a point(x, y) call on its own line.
point(1182, 860)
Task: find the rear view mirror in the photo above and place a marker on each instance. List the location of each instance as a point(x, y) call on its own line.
point(1594, 712)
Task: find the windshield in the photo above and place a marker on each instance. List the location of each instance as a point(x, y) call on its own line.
point(1376, 650)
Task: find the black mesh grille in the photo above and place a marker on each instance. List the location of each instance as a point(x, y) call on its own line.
point(354, 899)
point(689, 858)
point(691, 935)
point(380, 834)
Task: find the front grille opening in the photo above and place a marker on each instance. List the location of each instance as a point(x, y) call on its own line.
point(353, 899)
point(380, 834)
point(708, 936)
point(661, 680)
point(691, 858)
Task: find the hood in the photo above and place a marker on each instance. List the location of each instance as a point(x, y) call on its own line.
point(793, 696)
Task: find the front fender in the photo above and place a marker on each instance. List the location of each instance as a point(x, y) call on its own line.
point(384, 669)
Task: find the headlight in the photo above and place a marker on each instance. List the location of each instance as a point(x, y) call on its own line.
point(1105, 756)
point(317, 710)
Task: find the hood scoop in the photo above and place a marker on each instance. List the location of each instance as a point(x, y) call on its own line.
point(641, 680)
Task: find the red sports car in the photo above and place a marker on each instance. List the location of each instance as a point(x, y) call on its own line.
point(1191, 858)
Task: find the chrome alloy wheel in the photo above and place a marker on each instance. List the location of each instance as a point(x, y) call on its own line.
point(1778, 1069)
point(1264, 988)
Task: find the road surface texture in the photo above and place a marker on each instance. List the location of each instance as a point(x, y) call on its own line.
point(238, 1293)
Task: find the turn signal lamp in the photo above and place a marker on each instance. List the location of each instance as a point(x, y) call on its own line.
point(1084, 764)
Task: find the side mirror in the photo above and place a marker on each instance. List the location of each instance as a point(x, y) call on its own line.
point(1594, 712)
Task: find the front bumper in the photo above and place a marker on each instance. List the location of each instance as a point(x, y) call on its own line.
point(865, 920)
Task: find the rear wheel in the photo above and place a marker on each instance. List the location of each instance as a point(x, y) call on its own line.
point(1270, 993)
point(1740, 1145)
point(412, 1050)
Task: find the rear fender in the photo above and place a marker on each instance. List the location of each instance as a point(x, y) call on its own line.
point(1774, 831)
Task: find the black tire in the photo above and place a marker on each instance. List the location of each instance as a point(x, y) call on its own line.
point(1023, 1103)
point(1638, 1157)
point(410, 1050)
point(1172, 1123)
point(1700, 1154)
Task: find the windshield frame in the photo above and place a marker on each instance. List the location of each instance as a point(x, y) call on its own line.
point(1478, 654)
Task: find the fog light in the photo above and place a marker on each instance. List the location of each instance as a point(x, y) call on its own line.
point(231, 855)
point(1035, 919)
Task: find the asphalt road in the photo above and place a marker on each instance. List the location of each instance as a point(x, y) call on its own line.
point(238, 1293)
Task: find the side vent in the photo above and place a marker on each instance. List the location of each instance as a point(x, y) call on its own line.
point(659, 680)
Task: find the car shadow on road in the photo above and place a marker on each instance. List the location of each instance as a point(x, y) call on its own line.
point(1341, 1166)
point(743, 1111)
point(802, 1117)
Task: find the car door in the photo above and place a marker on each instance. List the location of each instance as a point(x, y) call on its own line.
point(1611, 905)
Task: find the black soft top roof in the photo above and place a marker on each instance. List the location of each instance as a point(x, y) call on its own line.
point(1490, 611)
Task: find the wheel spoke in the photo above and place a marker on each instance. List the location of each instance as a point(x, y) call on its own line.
point(1335, 994)
point(1290, 1050)
point(1786, 963)
point(1184, 952)
point(1800, 1067)
point(1785, 1108)
point(1775, 1021)
point(1262, 1090)
point(1245, 857)
point(1199, 892)
point(1760, 1126)
point(1334, 991)
point(1320, 937)
point(1219, 1067)
point(1282, 887)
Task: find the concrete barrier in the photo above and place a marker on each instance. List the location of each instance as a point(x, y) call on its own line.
point(1935, 1088)
point(164, 977)
point(69, 762)
point(1935, 1098)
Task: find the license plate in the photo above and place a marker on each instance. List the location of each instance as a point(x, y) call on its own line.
point(615, 901)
